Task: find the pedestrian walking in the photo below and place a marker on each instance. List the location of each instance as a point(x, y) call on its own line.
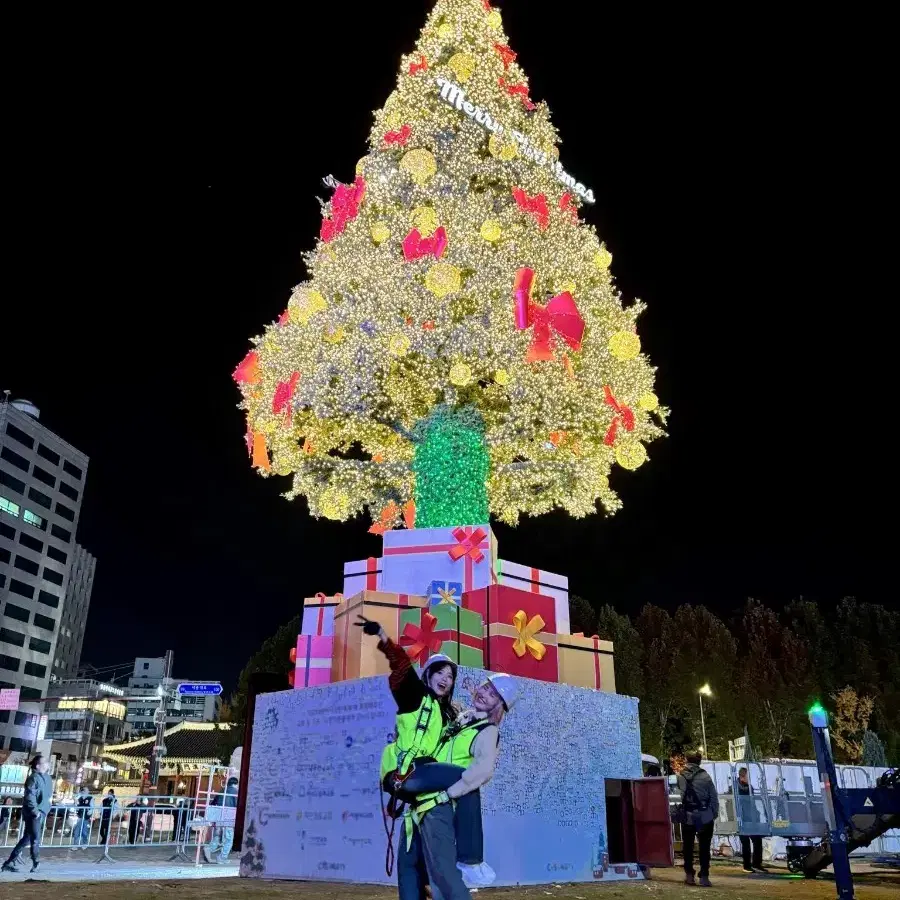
point(36, 806)
point(106, 814)
point(699, 810)
point(223, 832)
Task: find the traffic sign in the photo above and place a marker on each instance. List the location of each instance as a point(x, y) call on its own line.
point(199, 689)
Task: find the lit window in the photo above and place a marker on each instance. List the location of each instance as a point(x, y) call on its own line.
point(32, 519)
point(9, 507)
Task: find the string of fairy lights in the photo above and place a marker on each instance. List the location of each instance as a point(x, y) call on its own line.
point(412, 304)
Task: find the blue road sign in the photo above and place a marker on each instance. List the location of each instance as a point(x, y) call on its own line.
point(196, 688)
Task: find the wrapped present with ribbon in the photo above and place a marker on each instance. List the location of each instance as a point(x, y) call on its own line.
point(356, 655)
point(313, 658)
point(362, 575)
point(586, 662)
point(539, 581)
point(444, 628)
point(411, 560)
point(318, 614)
point(445, 593)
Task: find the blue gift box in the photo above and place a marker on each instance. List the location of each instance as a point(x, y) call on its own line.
point(452, 589)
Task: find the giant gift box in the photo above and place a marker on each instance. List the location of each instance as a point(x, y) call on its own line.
point(356, 655)
point(586, 662)
point(314, 658)
point(362, 575)
point(448, 629)
point(520, 631)
point(413, 559)
point(318, 614)
point(539, 581)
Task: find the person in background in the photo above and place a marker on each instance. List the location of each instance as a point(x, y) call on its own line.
point(700, 802)
point(36, 806)
point(5, 818)
point(752, 859)
point(109, 807)
point(223, 833)
point(84, 810)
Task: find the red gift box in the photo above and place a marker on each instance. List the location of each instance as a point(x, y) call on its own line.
point(520, 631)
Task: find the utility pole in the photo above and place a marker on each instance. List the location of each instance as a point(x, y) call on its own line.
point(159, 746)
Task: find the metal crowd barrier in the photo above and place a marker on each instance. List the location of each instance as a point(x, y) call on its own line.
point(175, 822)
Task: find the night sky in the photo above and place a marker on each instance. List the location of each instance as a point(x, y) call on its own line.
point(149, 248)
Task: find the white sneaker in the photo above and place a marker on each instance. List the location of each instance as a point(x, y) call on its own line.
point(477, 876)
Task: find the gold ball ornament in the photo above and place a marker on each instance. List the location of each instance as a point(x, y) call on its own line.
point(335, 505)
point(360, 166)
point(445, 31)
point(398, 345)
point(563, 287)
point(461, 374)
point(603, 258)
point(494, 19)
point(463, 66)
point(491, 230)
point(393, 118)
point(333, 335)
point(303, 306)
point(625, 345)
point(269, 426)
point(443, 279)
point(380, 232)
point(425, 219)
point(501, 377)
point(648, 402)
point(631, 455)
point(420, 164)
point(501, 149)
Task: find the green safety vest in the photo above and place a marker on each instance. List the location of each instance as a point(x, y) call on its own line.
point(418, 734)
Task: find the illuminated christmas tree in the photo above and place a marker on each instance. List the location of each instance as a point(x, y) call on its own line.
point(459, 349)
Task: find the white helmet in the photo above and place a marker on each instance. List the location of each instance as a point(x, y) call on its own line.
point(505, 685)
point(439, 659)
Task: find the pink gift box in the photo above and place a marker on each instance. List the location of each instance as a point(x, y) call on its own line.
point(314, 654)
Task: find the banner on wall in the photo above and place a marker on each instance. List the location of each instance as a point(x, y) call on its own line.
point(314, 802)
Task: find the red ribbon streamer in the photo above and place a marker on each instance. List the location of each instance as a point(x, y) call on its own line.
point(420, 643)
point(420, 66)
point(386, 519)
point(283, 393)
point(623, 415)
point(415, 246)
point(344, 208)
point(535, 206)
point(400, 137)
point(506, 54)
point(566, 205)
point(517, 90)
point(560, 315)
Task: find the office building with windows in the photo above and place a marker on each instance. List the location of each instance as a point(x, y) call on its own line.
point(42, 482)
point(147, 677)
point(67, 656)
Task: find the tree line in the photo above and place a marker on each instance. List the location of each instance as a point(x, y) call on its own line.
point(765, 668)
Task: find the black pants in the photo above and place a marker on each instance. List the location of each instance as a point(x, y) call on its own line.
point(31, 834)
point(704, 836)
point(753, 860)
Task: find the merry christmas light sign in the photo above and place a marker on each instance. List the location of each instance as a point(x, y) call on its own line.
point(455, 96)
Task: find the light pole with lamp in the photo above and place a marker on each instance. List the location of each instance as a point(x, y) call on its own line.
point(706, 690)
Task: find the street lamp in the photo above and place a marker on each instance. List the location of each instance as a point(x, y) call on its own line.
point(706, 690)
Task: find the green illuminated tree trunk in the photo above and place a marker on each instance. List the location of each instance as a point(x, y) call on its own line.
point(451, 467)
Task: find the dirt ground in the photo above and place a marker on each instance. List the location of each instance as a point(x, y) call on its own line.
point(728, 884)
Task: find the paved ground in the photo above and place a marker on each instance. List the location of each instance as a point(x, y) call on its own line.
point(152, 880)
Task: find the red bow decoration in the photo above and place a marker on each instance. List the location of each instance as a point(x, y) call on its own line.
point(560, 315)
point(420, 66)
point(506, 54)
point(281, 402)
point(248, 440)
point(517, 90)
point(468, 542)
point(400, 137)
point(285, 317)
point(535, 206)
point(344, 208)
point(248, 371)
point(409, 514)
point(420, 643)
point(415, 246)
point(487, 5)
point(385, 519)
point(623, 415)
point(566, 205)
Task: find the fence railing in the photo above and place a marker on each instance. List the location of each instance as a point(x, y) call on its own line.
point(179, 823)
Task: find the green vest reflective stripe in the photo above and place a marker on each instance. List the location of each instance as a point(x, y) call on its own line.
point(388, 759)
point(418, 733)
